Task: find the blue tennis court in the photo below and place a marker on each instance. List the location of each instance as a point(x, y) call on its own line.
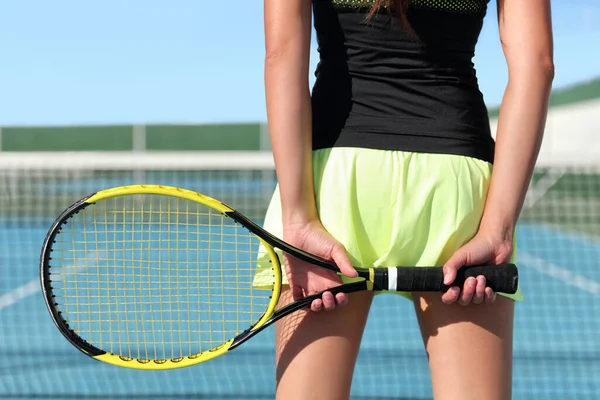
point(557, 352)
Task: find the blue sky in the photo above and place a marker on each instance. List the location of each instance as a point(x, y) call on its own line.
point(192, 61)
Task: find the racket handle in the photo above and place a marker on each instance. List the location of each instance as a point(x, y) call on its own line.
point(502, 278)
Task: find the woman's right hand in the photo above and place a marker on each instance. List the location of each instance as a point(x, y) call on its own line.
point(306, 279)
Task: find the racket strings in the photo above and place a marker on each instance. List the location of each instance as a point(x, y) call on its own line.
point(155, 277)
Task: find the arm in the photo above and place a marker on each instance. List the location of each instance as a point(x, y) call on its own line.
point(287, 31)
point(287, 37)
point(526, 35)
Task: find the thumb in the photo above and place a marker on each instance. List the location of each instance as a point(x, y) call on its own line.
point(458, 260)
point(343, 262)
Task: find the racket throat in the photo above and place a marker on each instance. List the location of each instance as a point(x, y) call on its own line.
point(242, 337)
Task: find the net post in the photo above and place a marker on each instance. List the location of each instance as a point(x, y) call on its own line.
point(139, 137)
point(139, 145)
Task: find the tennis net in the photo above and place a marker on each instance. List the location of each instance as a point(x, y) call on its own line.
point(557, 352)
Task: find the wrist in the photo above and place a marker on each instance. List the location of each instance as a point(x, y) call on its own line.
point(299, 216)
point(502, 229)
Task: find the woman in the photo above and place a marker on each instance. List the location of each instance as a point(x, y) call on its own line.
point(391, 162)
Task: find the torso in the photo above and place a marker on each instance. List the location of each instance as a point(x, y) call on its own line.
point(378, 88)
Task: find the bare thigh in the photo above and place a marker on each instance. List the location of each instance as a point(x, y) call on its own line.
point(469, 347)
point(316, 352)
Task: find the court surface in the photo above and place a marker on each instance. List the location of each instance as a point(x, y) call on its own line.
point(557, 351)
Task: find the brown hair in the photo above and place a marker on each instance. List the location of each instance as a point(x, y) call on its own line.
point(395, 7)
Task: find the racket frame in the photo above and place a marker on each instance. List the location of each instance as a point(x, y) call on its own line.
point(136, 363)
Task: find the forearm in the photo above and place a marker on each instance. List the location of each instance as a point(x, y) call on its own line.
point(289, 109)
point(519, 136)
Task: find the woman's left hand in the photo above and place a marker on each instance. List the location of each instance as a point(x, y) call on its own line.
point(483, 249)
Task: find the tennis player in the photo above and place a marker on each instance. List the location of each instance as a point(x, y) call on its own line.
point(390, 161)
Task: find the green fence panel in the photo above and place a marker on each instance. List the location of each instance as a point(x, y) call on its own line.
point(203, 137)
point(89, 138)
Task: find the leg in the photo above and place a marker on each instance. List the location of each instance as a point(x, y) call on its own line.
point(469, 347)
point(316, 352)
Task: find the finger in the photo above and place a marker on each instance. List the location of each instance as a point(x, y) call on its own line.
point(341, 299)
point(297, 292)
point(452, 265)
point(341, 259)
point(451, 295)
point(316, 305)
point(468, 291)
point(328, 301)
point(479, 295)
point(490, 295)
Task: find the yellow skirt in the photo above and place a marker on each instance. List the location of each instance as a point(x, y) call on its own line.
point(394, 208)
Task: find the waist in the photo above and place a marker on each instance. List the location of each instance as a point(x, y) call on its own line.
point(426, 135)
point(450, 98)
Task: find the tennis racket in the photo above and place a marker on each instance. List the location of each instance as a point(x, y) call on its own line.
point(157, 277)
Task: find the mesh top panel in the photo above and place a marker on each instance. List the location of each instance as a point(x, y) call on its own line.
point(456, 6)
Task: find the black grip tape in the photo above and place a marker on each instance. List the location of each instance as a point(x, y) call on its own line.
point(502, 278)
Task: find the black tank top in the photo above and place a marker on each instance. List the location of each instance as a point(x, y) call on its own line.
point(378, 87)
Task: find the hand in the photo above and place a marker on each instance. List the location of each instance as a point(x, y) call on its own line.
point(482, 249)
point(306, 279)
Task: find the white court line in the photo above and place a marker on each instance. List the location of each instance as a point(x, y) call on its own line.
point(560, 273)
point(20, 293)
point(34, 285)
